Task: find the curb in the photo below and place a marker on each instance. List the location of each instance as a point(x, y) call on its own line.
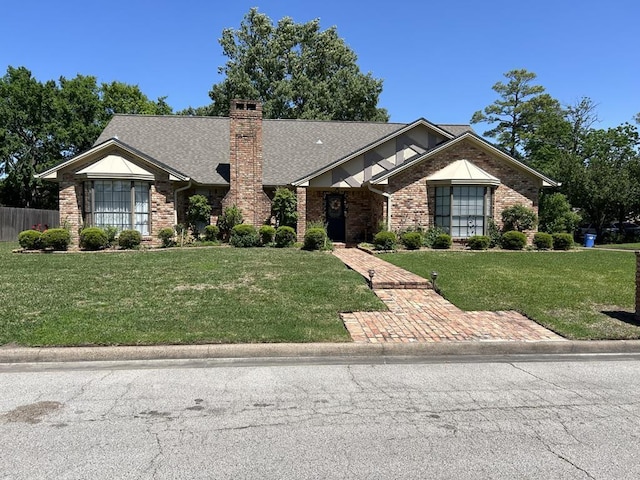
point(311, 350)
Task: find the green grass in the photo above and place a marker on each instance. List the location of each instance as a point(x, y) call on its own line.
point(177, 296)
point(581, 294)
point(620, 246)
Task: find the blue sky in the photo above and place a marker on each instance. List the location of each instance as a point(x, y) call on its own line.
point(438, 60)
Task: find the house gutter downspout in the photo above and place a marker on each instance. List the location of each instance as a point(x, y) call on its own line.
point(175, 200)
point(388, 197)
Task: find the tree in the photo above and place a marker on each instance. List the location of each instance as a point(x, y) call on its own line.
point(284, 207)
point(198, 213)
point(296, 71)
point(42, 124)
point(514, 110)
point(27, 141)
point(605, 180)
point(556, 215)
point(118, 97)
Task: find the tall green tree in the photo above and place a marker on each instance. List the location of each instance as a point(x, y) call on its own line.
point(605, 179)
point(296, 70)
point(42, 124)
point(513, 112)
point(27, 137)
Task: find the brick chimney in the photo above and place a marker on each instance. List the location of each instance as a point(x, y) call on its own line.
point(245, 159)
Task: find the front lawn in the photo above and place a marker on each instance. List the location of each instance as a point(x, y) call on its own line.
point(620, 246)
point(580, 294)
point(177, 296)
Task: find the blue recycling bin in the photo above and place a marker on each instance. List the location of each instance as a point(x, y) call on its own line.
point(589, 240)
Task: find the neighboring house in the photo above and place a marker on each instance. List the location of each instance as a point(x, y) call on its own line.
point(353, 176)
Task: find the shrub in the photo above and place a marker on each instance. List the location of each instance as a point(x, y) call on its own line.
point(211, 233)
point(111, 233)
point(513, 240)
point(562, 241)
point(543, 241)
point(556, 215)
point(93, 238)
point(478, 242)
point(231, 216)
point(56, 239)
point(284, 207)
point(198, 213)
point(129, 239)
point(385, 240)
point(494, 233)
point(166, 237)
point(266, 232)
point(443, 241)
point(30, 239)
point(285, 236)
point(412, 240)
point(430, 236)
point(315, 239)
point(244, 236)
point(519, 218)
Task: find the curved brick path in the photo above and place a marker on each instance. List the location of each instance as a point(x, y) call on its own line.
point(418, 314)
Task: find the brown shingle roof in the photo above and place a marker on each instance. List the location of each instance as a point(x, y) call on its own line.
point(199, 146)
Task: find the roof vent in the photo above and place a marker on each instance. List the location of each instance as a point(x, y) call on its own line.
point(319, 142)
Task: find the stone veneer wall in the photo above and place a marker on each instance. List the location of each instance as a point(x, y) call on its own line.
point(638, 285)
point(412, 202)
point(246, 158)
point(301, 208)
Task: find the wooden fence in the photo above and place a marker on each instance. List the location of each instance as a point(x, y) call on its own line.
point(14, 220)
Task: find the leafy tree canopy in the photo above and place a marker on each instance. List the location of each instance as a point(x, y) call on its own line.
point(296, 70)
point(518, 101)
point(42, 124)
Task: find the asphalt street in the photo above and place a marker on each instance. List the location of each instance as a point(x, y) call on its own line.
point(506, 417)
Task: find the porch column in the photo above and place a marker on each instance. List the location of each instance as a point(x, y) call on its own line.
point(301, 195)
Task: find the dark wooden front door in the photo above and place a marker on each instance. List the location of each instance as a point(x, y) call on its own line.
point(335, 217)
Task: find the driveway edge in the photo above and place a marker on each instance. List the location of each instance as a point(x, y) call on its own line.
point(279, 350)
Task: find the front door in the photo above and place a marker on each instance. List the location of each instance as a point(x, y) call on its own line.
point(335, 217)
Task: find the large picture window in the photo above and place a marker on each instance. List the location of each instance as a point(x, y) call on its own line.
point(117, 203)
point(463, 210)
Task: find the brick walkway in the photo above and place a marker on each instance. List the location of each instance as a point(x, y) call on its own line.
point(419, 314)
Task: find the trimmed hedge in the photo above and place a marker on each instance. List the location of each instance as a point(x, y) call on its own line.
point(30, 239)
point(211, 233)
point(315, 239)
point(285, 236)
point(412, 240)
point(267, 233)
point(166, 237)
point(513, 240)
point(562, 241)
point(385, 240)
point(479, 242)
point(93, 238)
point(56, 239)
point(543, 241)
point(129, 239)
point(244, 236)
point(443, 241)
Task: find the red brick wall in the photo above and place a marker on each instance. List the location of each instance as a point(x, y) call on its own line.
point(412, 202)
point(364, 211)
point(71, 197)
point(245, 158)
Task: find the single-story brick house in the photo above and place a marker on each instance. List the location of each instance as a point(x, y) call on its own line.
point(353, 176)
